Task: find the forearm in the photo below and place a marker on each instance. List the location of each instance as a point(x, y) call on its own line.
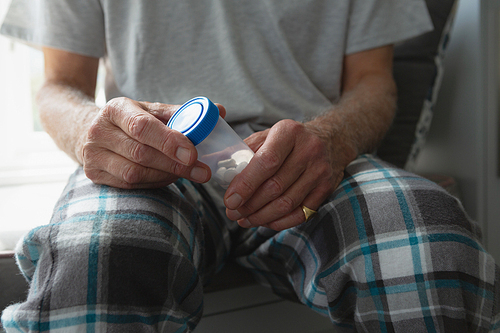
point(125, 143)
point(298, 165)
point(361, 118)
point(66, 114)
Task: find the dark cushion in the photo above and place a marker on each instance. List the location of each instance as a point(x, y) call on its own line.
point(417, 72)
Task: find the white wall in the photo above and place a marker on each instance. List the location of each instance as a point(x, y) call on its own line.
point(463, 139)
point(450, 146)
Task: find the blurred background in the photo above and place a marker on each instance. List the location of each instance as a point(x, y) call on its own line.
point(463, 142)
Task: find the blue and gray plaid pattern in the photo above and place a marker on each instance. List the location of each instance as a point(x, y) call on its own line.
point(389, 252)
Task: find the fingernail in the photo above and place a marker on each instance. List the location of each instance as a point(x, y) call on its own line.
point(199, 174)
point(234, 201)
point(244, 223)
point(183, 155)
point(233, 215)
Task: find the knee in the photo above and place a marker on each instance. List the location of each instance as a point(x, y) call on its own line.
point(432, 212)
point(90, 218)
point(392, 199)
point(406, 216)
point(432, 216)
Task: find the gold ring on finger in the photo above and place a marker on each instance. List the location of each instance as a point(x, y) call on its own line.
point(308, 212)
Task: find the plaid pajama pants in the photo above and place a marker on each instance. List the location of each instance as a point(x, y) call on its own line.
point(388, 252)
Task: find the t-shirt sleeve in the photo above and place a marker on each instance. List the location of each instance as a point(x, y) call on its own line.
point(377, 23)
point(72, 25)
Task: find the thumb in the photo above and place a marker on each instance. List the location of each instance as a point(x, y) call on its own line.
point(160, 111)
point(222, 110)
point(165, 111)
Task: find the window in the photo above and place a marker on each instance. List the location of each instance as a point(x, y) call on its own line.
point(33, 171)
point(28, 154)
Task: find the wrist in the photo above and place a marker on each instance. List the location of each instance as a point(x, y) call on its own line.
point(338, 140)
point(82, 131)
point(79, 148)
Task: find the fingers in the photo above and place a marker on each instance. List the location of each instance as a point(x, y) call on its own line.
point(222, 110)
point(273, 189)
point(165, 111)
point(140, 156)
point(297, 216)
point(131, 173)
point(141, 126)
point(256, 140)
point(114, 170)
point(286, 211)
point(105, 178)
point(161, 111)
point(292, 168)
point(266, 163)
point(129, 146)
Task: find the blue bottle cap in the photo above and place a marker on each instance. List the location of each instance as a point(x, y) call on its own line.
point(195, 119)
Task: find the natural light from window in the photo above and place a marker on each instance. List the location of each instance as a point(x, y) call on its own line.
point(33, 171)
point(28, 154)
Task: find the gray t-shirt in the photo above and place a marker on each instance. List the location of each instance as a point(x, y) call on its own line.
point(264, 60)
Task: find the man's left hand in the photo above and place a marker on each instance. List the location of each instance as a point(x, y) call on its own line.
point(292, 167)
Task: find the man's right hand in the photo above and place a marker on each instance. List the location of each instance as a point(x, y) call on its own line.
point(128, 145)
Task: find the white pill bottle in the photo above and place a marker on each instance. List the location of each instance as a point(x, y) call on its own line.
point(217, 143)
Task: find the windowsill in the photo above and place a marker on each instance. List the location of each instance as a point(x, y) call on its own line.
point(33, 158)
point(24, 207)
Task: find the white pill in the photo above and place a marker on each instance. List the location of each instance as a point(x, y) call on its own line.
point(243, 155)
point(219, 174)
point(241, 166)
point(230, 174)
point(229, 163)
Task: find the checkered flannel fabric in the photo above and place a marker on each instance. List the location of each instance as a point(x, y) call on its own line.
point(391, 252)
point(388, 252)
point(114, 261)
